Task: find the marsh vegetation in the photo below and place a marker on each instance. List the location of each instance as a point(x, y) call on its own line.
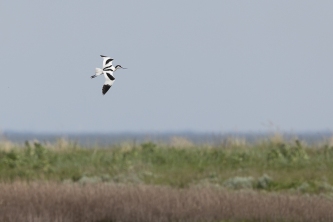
point(269, 180)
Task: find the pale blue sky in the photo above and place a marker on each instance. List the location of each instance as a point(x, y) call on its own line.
point(207, 66)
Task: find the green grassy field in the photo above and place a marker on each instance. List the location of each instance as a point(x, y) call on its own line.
point(265, 165)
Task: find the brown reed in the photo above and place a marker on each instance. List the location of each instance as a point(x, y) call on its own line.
point(44, 201)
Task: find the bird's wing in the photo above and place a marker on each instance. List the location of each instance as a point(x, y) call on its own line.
point(110, 76)
point(107, 61)
point(109, 79)
point(105, 88)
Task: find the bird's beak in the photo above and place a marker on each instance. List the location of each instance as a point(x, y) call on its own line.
point(124, 68)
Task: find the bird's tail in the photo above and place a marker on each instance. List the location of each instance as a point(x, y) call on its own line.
point(98, 71)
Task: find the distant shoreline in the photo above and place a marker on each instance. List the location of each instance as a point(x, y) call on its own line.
point(86, 139)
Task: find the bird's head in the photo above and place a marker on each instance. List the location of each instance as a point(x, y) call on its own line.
point(119, 67)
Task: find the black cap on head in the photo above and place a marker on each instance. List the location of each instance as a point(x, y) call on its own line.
point(119, 67)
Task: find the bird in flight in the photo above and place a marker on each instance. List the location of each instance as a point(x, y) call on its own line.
point(108, 70)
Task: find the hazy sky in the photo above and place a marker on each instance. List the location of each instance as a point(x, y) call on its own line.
point(214, 66)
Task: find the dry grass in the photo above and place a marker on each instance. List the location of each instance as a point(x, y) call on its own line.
point(110, 202)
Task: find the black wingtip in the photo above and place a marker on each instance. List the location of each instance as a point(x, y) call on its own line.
point(105, 88)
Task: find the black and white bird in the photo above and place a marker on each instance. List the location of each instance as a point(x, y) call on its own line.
point(107, 70)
